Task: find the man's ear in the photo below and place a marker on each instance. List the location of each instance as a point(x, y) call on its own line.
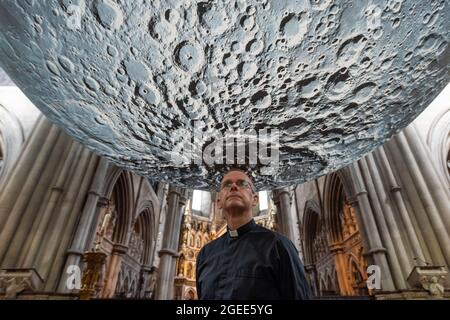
point(219, 203)
point(255, 199)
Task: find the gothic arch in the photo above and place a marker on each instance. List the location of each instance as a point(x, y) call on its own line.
point(438, 140)
point(354, 265)
point(144, 225)
point(122, 191)
point(12, 136)
point(148, 206)
point(311, 220)
point(335, 193)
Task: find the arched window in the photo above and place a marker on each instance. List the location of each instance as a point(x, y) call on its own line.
point(262, 207)
point(201, 203)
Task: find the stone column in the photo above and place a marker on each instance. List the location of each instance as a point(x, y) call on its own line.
point(310, 270)
point(435, 183)
point(397, 259)
point(433, 200)
point(415, 208)
point(146, 271)
point(26, 174)
point(41, 201)
point(176, 201)
point(88, 221)
point(112, 273)
point(375, 249)
point(282, 199)
point(341, 269)
point(397, 197)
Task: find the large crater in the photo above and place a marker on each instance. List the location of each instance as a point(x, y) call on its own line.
point(140, 82)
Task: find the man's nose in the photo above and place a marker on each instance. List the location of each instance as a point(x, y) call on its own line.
point(234, 187)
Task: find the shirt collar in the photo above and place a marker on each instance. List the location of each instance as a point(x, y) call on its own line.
point(239, 232)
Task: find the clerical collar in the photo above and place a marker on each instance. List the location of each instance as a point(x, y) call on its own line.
point(241, 230)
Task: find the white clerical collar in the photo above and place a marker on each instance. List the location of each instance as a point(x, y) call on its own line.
point(233, 233)
point(242, 229)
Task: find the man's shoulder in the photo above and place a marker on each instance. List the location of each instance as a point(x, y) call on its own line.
point(268, 233)
point(212, 244)
point(274, 236)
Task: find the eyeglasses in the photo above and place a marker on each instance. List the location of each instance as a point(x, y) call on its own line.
point(244, 184)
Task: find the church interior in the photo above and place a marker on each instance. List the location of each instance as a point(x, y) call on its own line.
point(82, 217)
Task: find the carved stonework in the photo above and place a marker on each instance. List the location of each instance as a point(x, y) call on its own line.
point(136, 246)
point(15, 281)
point(91, 274)
point(431, 278)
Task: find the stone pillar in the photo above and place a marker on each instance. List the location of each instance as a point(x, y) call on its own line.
point(282, 199)
point(41, 201)
point(146, 271)
point(26, 173)
point(375, 250)
point(310, 270)
point(176, 201)
point(396, 258)
point(432, 198)
point(415, 208)
point(88, 221)
point(435, 183)
point(341, 269)
point(397, 198)
point(112, 273)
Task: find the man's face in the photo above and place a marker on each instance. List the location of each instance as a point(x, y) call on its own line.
point(236, 192)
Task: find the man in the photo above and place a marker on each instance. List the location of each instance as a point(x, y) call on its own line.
point(248, 261)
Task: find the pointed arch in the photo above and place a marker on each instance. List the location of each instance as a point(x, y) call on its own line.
point(311, 220)
point(334, 195)
point(119, 185)
point(438, 140)
point(144, 225)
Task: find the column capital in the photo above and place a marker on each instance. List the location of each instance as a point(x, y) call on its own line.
point(277, 193)
point(94, 193)
point(310, 268)
point(361, 193)
point(375, 250)
point(336, 247)
point(119, 249)
point(103, 201)
point(146, 268)
point(167, 251)
point(75, 252)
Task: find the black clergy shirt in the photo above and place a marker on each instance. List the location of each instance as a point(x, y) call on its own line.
point(251, 262)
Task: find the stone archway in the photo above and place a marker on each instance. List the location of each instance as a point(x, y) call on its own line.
point(345, 239)
point(125, 233)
